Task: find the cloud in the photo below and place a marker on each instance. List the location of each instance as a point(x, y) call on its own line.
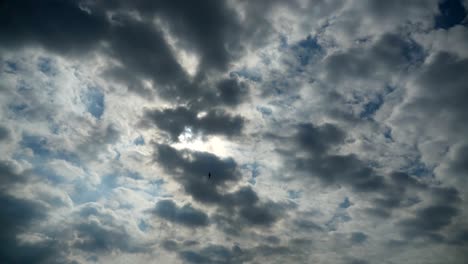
point(458, 165)
point(358, 237)
point(452, 12)
point(428, 220)
point(231, 91)
point(9, 174)
point(185, 215)
point(4, 133)
point(333, 131)
point(214, 254)
point(95, 238)
point(388, 55)
point(218, 253)
point(190, 170)
point(329, 168)
point(99, 230)
point(17, 217)
point(318, 139)
point(175, 121)
point(148, 42)
point(202, 29)
point(442, 70)
point(38, 26)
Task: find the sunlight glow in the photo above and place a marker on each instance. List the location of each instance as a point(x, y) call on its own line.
point(194, 142)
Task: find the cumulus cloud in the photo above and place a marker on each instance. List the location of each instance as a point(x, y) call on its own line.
point(191, 170)
point(233, 131)
point(185, 215)
point(213, 122)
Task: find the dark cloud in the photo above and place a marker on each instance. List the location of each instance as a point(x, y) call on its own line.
point(461, 238)
point(358, 238)
point(445, 70)
point(231, 91)
point(210, 27)
point(389, 54)
point(439, 109)
point(445, 195)
point(9, 175)
point(319, 139)
point(264, 215)
point(452, 12)
point(96, 238)
point(191, 169)
point(261, 253)
point(175, 121)
point(4, 133)
point(143, 51)
point(185, 215)
point(215, 254)
point(99, 231)
point(357, 261)
point(307, 225)
point(401, 179)
point(60, 26)
point(212, 30)
point(319, 162)
point(16, 217)
point(400, 192)
point(459, 164)
point(428, 220)
point(169, 245)
point(273, 239)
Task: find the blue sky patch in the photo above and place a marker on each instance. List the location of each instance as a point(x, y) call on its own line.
point(388, 133)
point(294, 195)
point(371, 107)
point(42, 151)
point(18, 108)
point(45, 65)
point(418, 169)
point(337, 218)
point(283, 42)
point(413, 52)
point(94, 102)
point(254, 169)
point(307, 49)
point(249, 74)
point(139, 141)
point(37, 144)
point(142, 225)
point(346, 203)
point(11, 67)
point(265, 111)
point(452, 13)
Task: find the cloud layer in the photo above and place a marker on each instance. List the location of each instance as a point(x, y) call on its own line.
point(233, 131)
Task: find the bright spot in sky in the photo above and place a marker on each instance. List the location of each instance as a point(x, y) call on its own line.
point(189, 61)
point(194, 142)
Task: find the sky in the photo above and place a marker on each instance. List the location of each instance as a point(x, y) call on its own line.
point(334, 131)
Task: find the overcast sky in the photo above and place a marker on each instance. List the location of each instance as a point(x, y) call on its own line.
point(334, 131)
